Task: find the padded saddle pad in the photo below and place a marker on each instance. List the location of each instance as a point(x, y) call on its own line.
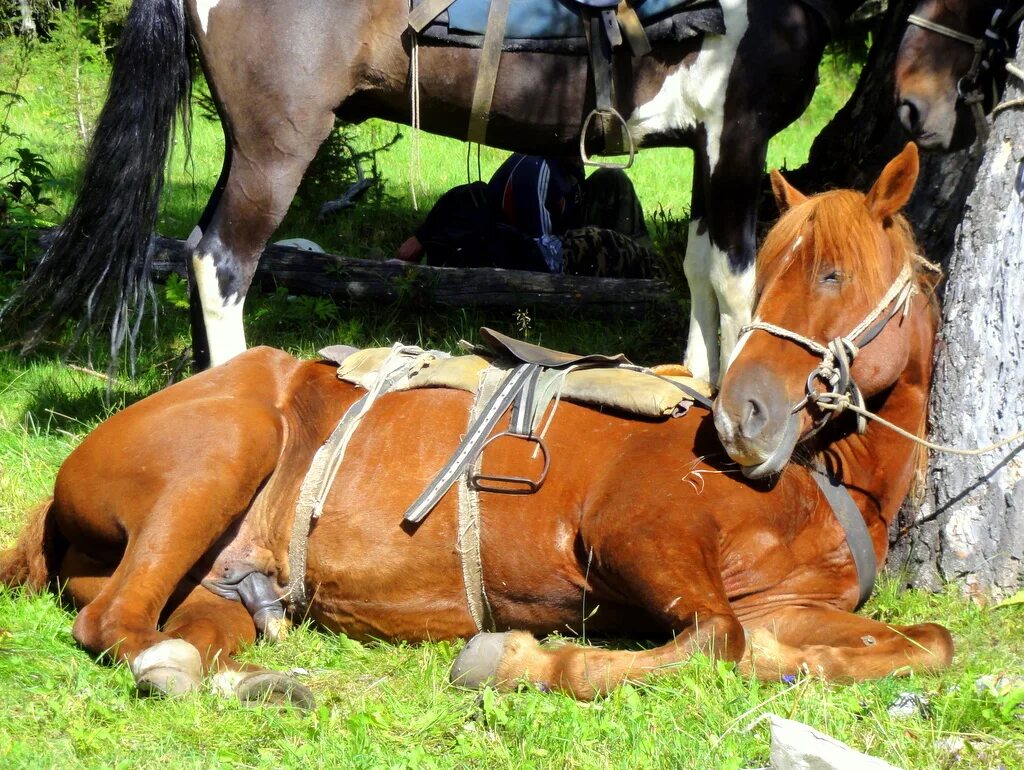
point(625, 390)
point(555, 26)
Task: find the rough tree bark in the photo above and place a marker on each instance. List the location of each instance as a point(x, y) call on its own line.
point(970, 527)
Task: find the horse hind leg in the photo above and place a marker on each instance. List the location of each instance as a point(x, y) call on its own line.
point(262, 178)
point(217, 628)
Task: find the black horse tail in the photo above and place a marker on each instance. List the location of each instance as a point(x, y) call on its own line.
point(97, 269)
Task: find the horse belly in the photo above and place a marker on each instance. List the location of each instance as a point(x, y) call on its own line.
point(369, 573)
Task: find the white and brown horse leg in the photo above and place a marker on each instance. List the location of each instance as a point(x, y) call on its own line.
point(276, 95)
point(200, 344)
point(702, 339)
point(260, 186)
point(841, 646)
point(683, 590)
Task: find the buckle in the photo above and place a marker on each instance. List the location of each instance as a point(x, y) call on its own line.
point(511, 485)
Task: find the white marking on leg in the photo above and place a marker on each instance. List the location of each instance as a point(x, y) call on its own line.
point(203, 8)
point(735, 293)
point(695, 94)
point(702, 341)
point(222, 316)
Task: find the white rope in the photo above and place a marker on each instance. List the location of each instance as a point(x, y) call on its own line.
point(414, 139)
point(839, 402)
point(931, 26)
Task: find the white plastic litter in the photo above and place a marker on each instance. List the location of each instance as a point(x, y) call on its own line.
point(796, 746)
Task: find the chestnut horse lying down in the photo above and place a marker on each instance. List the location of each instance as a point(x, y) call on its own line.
point(170, 524)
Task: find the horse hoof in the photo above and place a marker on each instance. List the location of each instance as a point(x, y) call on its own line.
point(477, 664)
point(172, 667)
point(275, 689)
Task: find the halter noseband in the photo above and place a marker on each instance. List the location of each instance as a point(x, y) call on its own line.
point(838, 355)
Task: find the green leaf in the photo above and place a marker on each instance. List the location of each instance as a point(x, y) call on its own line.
point(1017, 598)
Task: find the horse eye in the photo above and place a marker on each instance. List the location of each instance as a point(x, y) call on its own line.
point(833, 276)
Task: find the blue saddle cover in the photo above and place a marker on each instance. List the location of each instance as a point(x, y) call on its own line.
point(466, 20)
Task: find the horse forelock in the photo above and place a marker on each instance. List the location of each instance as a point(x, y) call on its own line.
point(836, 229)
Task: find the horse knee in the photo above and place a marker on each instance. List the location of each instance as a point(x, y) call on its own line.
point(720, 636)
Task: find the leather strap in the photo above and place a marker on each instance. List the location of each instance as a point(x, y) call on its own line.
point(471, 445)
point(633, 29)
point(426, 12)
point(487, 71)
point(858, 539)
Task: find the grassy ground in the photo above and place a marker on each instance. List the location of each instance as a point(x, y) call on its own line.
point(385, 705)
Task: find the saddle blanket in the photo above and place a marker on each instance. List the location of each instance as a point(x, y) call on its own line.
point(555, 26)
point(632, 390)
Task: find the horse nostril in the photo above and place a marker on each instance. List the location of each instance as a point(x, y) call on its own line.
point(912, 113)
point(755, 418)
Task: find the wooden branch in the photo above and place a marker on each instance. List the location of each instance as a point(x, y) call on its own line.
point(346, 278)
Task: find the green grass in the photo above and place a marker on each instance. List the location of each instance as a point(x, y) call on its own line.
point(383, 705)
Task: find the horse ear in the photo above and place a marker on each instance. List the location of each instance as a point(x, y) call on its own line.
point(786, 196)
point(895, 184)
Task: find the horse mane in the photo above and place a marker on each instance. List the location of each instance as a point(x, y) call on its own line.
point(842, 232)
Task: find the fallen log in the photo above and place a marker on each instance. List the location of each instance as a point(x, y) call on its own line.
point(351, 279)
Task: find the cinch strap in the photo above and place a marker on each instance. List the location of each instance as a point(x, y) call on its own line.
point(858, 539)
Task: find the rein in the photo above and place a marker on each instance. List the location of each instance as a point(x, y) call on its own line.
point(993, 44)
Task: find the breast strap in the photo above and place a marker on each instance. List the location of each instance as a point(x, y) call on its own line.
point(858, 539)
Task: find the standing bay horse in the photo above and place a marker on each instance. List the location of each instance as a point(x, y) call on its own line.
point(170, 524)
point(281, 71)
point(953, 57)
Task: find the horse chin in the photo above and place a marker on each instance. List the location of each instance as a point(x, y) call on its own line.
point(780, 456)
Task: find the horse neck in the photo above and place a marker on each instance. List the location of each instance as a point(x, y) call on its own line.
point(879, 466)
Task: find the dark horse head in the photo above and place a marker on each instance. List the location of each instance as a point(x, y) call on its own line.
point(951, 67)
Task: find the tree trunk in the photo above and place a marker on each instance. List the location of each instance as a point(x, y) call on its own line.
point(866, 134)
point(970, 527)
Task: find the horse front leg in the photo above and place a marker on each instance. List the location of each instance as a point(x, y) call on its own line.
point(732, 194)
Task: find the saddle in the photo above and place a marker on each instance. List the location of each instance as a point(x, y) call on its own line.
point(505, 372)
point(599, 27)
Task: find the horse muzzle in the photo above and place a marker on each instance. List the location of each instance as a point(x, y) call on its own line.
point(755, 422)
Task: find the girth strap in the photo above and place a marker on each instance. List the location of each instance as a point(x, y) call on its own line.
point(487, 71)
point(473, 442)
point(858, 539)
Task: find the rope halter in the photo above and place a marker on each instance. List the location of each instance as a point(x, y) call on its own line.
point(838, 355)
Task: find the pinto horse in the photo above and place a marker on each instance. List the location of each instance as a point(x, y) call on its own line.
point(280, 74)
point(170, 524)
point(952, 57)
